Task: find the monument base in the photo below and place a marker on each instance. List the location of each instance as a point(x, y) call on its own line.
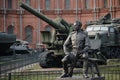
point(80, 78)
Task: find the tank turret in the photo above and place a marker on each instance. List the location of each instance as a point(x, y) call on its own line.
point(6, 40)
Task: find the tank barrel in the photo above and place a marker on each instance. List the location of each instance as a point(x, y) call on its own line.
point(43, 17)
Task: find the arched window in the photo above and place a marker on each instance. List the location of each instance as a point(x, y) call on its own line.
point(67, 4)
point(87, 4)
point(10, 29)
point(48, 28)
point(47, 4)
point(29, 34)
point(105, 3)
point(118, 2)
point(9, 4)
point(28, 2)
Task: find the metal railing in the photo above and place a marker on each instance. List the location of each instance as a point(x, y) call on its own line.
point(15, 69)
point(109, 72)
point(15, 63)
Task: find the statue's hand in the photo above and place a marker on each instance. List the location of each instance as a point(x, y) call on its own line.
point(65, 58)
point(80, 52)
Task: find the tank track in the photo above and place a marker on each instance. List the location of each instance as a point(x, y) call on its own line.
point(47, 59)
point(111, 52)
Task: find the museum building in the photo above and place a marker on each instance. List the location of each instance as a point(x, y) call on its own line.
point(14, 19)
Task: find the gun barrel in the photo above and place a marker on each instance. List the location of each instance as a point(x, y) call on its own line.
point(42, 16)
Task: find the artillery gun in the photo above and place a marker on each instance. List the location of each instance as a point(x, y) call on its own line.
point(106, 30)
point(53, 40)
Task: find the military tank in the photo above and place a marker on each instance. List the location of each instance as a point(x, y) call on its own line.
point(53, 40)
point(20, 47)
point(106, 30)
point(6, 40)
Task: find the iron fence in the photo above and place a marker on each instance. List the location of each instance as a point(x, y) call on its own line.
point(14, 70)
point(17, 63)
point(109, 72)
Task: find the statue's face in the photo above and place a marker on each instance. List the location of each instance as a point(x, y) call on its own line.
point(76, 27)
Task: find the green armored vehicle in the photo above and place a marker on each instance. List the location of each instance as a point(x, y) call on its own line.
point(6, 40)
point(54, 40)
point(106, 30)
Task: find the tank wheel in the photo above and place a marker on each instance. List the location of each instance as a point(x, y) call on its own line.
point(113, 52)
point(46, 59)
point(79, 64)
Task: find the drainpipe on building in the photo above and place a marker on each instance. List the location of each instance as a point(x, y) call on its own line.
point(4, 8)
point(38, 28)
point(94, 10)
point(58, 10)
point(20, 23)
point(111, 8)
point(76, 9)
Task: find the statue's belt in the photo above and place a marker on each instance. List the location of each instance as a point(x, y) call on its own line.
point(75, 47)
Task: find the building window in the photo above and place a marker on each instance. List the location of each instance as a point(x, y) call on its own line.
point(67, 4)
point(29, 34)
point(47, 4)
point(105, 3)
point(28, 2)
point(87, 4)
point(118, 2)
point(48, 28)
point(9, 4)
point(10, 29)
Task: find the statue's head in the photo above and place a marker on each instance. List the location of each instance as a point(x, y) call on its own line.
point(77, 25)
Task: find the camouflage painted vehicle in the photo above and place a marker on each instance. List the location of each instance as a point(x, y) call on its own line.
point(107, 31)
point(52, 55)
point(6, 40)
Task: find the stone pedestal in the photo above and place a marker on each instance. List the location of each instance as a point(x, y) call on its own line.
point(80, 78)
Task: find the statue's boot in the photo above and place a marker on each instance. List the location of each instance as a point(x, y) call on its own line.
point(85, 69)
point(97, 69)
point(70, 72)
point(85, 73)
point(85, 76)
point(98, 74)
point(65, 73)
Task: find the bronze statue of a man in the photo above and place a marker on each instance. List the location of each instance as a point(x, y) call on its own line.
point(78, 40)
